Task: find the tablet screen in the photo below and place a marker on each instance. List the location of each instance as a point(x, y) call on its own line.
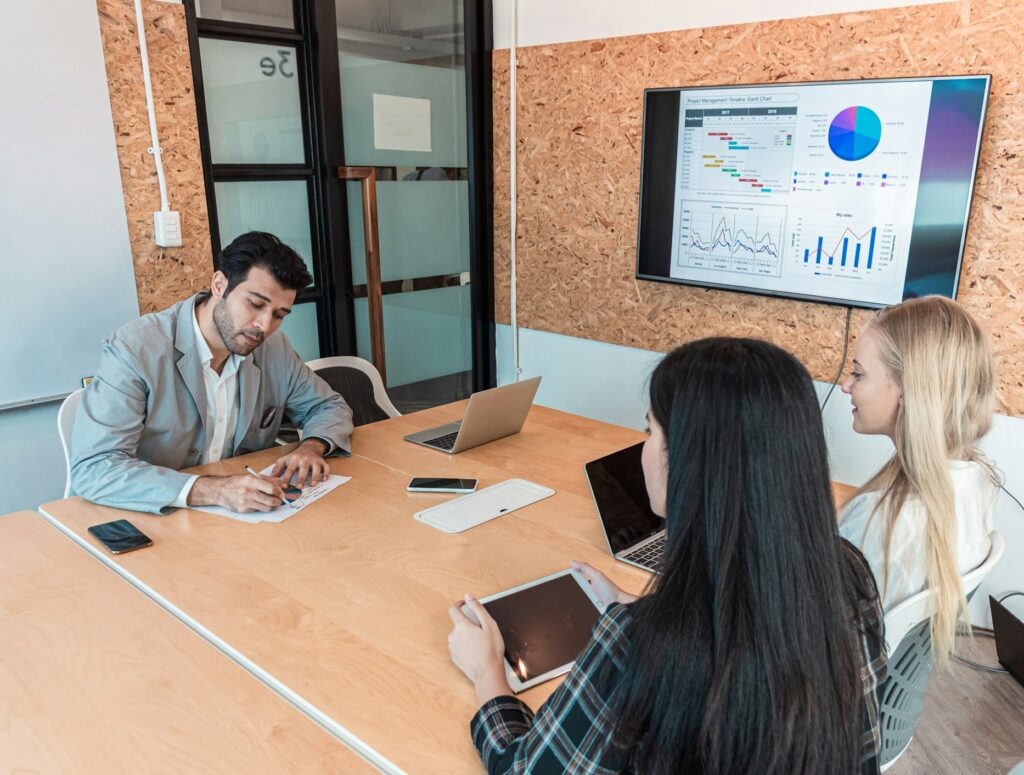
point(544, 626)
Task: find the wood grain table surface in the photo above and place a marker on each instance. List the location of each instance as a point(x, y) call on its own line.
point(95, 677)
point(346, 602)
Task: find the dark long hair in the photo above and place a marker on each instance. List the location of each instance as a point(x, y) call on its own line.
point(744, 655)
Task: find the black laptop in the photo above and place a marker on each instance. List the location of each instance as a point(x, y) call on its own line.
point(1009, 632)
point(635, 534)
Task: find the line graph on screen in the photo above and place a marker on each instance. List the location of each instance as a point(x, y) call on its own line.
point(731, 237)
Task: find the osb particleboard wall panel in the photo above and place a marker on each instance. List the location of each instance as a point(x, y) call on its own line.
point(163, 275)
point(578, 138)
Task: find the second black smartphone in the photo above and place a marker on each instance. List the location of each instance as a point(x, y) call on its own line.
point(120, 536)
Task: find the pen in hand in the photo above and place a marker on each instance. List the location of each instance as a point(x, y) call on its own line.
point(280, 490)
point(290, 493)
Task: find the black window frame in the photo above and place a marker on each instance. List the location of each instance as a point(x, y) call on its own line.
point(317, 71)
point(478, 24)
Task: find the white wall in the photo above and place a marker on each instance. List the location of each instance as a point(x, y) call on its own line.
point(543, 21)
point(608, 382)
point(66, 255)
point(31, 459)
point(65, 250)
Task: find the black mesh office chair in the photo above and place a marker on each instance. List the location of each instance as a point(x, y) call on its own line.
point(359, 383)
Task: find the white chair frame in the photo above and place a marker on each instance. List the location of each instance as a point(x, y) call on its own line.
point(915, 609)
point(65, 422)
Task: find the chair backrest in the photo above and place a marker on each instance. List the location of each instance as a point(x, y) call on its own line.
point(65, 422)
point(359, 383)
point(915, 609)
point(909, 644)
point(972, 580)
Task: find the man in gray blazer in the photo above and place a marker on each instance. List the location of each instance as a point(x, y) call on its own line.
point(207, 379)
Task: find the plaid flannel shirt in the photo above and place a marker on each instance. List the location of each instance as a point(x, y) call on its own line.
point(570, 732)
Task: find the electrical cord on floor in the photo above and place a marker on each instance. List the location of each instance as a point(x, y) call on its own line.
point(842, 361)
point(977, 665)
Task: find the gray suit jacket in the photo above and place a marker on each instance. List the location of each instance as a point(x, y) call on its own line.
point(143, 416)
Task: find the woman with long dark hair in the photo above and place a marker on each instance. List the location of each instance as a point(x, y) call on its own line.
point(759, 649)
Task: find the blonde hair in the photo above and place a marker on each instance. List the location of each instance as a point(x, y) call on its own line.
point(942, 362)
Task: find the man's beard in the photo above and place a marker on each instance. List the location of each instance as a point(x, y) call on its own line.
point(229, 334)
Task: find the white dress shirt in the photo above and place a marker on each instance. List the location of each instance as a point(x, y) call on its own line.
point(221, 406)
point(975, 499)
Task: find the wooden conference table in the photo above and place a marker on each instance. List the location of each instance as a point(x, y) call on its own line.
point(95, 677)
point(343, 607)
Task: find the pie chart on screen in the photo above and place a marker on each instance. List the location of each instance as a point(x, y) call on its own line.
point(854, 133)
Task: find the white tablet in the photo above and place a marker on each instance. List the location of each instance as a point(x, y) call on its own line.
point(546, 624)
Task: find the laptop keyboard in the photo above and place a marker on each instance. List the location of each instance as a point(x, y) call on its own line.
point(650, 556)
point(445, 442)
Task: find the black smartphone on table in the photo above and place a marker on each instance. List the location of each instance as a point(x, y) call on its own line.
point(120, 536)
point(441, 484)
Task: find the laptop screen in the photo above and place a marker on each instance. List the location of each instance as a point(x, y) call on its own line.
point(617, 484)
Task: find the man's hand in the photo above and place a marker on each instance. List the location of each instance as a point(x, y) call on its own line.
point(241, 493)
point(305, 462)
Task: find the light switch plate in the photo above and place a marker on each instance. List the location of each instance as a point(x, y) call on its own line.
point(167, 228)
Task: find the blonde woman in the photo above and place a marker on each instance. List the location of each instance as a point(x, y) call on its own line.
point(923, 376)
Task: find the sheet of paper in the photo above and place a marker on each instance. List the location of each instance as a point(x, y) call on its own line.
point(401, 123)
point(309, 495)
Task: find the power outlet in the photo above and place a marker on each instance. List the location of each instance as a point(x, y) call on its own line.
point(167, 228)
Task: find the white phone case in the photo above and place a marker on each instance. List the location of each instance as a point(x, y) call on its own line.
point(460, 514)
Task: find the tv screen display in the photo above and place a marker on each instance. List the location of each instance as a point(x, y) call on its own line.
point(846, 192)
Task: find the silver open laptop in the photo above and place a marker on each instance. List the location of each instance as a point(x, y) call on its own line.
point(490, 414)
point(634, 533)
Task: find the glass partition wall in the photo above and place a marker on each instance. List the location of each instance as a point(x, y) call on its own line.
point(315, 114)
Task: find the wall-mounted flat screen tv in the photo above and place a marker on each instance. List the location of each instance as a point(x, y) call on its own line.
point(845, 192)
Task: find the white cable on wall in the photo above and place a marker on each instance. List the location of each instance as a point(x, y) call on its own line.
point(513, 62)
point(154, 139)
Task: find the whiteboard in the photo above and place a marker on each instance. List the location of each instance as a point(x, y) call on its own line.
point(66, 275)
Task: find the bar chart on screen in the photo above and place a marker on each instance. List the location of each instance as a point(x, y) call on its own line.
point(838, 247)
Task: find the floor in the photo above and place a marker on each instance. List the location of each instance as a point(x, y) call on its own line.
point(973, 721)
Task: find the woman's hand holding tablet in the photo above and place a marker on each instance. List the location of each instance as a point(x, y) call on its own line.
point(536, 630)
point(477, 649)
